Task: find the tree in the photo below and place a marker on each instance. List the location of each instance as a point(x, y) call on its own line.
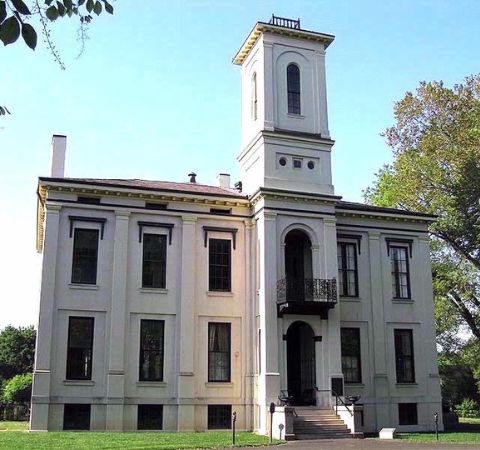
point(436, 169)
point(17, 18)
point(17, 351)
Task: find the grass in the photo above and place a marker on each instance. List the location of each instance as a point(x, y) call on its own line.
point(467, 432)
point(13, 436)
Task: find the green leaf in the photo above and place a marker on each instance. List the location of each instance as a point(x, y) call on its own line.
point(9, 30)
point(80, 2)
point(48, 2)
point(97, 9)
point(108, 7)
point(90, 4)
point(29, 35)
point(52, 13)
point(68, 4)
point(61, 9)
point(21, 7)
point(3, 11)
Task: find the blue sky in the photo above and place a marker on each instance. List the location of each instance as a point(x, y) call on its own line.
point(155, 96)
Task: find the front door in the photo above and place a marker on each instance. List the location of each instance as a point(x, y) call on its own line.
point(301, 363)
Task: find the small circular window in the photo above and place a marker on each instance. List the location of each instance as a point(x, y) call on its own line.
point(311, 165)
point(282, 161)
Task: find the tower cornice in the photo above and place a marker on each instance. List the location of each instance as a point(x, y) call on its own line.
point(262, 27)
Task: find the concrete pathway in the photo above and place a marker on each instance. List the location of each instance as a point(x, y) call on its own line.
point(368, 444)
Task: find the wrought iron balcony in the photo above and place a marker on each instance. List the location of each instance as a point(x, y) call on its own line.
point(306, 295)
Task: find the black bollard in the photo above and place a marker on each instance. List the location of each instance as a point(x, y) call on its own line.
point(436, 424)
point(272, 410)
point(234, 419)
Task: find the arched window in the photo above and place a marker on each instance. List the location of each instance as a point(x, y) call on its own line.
point(293, 89)
point(254, 96)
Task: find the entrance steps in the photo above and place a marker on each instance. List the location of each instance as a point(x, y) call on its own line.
point(314, 423)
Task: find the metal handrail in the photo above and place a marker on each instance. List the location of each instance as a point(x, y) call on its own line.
point(337, 399)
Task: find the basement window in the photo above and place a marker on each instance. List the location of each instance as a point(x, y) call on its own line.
point(151, 205)
point(220, 211)
point(88, 200)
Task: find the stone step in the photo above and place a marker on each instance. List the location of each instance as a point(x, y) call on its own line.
point(305, 436)
point(321, 427)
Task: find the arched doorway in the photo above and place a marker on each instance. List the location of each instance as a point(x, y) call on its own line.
point(301, 363)
point(298, 266)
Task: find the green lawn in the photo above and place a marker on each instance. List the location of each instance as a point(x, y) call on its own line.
point(13, 436)
point(468, 433)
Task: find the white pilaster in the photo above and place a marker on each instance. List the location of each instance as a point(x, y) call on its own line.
point(380, 383)
point(41, 376)
point(116, 339)
point(186, 338)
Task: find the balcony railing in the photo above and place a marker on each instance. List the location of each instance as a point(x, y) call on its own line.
point(311, 296)
point(306, 290)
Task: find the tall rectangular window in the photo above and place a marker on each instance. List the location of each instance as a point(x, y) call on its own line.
point(400, 272)
point(151, 350)
point(154, 260)
point(293, 89)
point(404, 359)
point(219, 265)
point(347, 269)
point(80, 348)
point(85, 255)
point(218, 351)
point(351, 359)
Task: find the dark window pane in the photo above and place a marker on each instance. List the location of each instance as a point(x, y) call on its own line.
point(151, 350)
point(404, 358)
point(219, 265)
point(219, 417)
point(85, 255)
point(400, 272)
point(150, 417)
point(218, 351)
point(347, 269)
point(80, 348)
point(154, 260)
point(407, 414)
point(293, 89)
point(76, 416)
point(351, 358)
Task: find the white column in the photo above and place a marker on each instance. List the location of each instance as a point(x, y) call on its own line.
point(186, 318)
point(116, 337)
point(41, 376)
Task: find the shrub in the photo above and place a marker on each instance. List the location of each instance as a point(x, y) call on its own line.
point(18, 389)
point(468, 408)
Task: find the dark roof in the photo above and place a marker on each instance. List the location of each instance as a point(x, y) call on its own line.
point(170, 186)
point(370, 208)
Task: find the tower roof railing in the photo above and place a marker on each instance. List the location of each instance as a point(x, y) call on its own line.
point(284, 22)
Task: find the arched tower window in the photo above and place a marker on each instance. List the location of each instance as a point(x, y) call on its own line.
point(293, 89)
point(254, 96)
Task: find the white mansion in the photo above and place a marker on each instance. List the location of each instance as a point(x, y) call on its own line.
point(171, 305)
